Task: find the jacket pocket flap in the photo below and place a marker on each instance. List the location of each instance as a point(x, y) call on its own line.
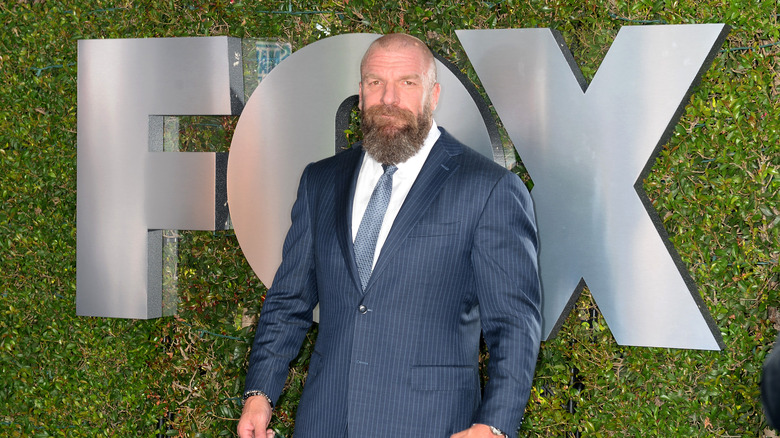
point(423, 229)
point(444, 378)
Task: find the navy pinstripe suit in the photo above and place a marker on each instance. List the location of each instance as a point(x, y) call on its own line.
point(401, 358)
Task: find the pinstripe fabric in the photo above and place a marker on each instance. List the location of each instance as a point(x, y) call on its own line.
point(401, 359)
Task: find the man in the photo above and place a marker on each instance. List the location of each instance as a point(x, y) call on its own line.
point(403, 298)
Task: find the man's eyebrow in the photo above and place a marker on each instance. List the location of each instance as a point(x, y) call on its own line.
point(411, 76)
point(404, 77)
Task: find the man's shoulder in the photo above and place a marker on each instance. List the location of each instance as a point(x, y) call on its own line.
point(470, 159)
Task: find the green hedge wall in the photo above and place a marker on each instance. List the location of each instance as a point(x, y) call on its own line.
point(715, 185)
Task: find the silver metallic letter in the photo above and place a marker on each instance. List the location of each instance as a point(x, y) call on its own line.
point(125, 188)
point(289, 122)
point(588, 153)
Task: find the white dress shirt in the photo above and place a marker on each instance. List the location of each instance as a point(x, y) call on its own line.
point(403, 178)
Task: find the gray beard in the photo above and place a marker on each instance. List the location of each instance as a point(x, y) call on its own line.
point(391, 144)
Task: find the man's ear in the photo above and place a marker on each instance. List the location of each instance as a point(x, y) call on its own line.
point(360, 94)
point(435, 95)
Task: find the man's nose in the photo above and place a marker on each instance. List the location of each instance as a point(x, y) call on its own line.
point(390, 94)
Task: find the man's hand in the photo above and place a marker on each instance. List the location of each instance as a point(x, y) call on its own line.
point(476, 431)
point(255, 418)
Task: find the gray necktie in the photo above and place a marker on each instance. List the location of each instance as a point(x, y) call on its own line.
point(365, 241)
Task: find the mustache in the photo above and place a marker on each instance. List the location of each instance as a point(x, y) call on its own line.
point(376, 112)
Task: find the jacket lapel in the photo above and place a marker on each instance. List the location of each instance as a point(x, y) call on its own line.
point(344, 188)
point(443, 161)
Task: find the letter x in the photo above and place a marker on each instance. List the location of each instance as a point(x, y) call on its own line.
point(588, 152)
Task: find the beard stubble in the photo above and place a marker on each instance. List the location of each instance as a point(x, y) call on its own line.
point(394, 139)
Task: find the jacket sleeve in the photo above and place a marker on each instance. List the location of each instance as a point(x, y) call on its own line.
point(286, 314)
point(504, 258)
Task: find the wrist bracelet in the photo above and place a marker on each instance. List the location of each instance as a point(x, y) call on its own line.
point(495, 431)
point(255, 392)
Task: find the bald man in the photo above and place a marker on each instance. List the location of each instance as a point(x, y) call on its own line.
point(414, 245)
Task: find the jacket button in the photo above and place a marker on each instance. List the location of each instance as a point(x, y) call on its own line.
point(363, 309)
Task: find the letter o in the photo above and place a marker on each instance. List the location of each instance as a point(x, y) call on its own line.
point(289, 122)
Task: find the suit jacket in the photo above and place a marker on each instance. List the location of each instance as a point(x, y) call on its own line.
point(401, 357)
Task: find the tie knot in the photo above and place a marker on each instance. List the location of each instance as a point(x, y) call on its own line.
point(389, 169)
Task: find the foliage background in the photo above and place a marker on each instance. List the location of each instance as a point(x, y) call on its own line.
point(715, 185)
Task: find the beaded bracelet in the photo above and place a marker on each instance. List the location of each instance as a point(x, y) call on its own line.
point(255, 392)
